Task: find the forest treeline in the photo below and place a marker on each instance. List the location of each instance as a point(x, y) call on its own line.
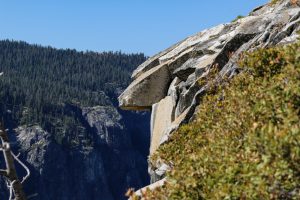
point(38, 82)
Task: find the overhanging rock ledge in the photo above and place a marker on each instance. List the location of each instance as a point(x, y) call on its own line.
point(172, 82)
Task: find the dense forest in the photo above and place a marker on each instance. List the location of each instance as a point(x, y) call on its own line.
point(40, 83)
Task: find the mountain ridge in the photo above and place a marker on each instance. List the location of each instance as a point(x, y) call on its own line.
point(60, 107)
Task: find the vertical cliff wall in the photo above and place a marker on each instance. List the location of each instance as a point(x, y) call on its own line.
point(109, 158)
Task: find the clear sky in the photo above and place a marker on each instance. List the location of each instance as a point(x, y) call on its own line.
point(131, 26)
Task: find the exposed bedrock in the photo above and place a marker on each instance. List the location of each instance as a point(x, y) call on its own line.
point(173, 82)
point(102, 161)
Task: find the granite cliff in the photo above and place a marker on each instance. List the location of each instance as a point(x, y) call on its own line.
point(171, 83)
point(61, 110)
point(103, 169)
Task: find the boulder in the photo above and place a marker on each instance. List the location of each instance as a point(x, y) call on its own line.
point(147, 89)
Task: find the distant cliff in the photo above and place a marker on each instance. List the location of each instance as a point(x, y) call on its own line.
point(173, 83)
point(61, 111)
point(103, 169)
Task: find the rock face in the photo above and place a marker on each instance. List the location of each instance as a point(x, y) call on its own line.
point(157, 79)
point(162, 112)
point(103, 163)
point(173, 81)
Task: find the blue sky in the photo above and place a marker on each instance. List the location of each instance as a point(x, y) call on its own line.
point(131, 26)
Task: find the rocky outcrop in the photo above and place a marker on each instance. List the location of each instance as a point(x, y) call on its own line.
point(151, 187)
point(55, 172)
point(157, 79)
point(101, 162)
point(173, 81)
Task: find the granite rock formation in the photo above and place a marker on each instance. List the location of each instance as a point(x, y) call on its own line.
point(172, 82)
point(107, 161)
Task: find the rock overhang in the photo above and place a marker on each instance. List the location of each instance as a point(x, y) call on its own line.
point(192, 59)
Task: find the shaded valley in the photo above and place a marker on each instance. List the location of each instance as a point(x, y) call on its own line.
point(61, 111)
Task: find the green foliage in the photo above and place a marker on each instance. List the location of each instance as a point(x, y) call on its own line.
point(40, 85)
point(274, 2)
point(237, 18)
point(245, 143)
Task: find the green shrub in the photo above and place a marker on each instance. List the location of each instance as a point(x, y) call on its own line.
point(237, 18)
point(273, 2)
point(245, 145)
